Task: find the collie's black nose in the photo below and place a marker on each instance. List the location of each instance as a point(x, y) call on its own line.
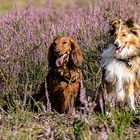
point(116, 43)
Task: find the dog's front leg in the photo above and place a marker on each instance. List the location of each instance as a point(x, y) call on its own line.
point(131, 100)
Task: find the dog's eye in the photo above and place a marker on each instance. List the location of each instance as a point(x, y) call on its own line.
point(124, 35)
point(64, 42)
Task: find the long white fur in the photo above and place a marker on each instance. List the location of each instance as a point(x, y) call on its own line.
point(116, 72)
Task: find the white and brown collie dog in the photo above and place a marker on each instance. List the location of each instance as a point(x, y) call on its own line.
point(121, 62)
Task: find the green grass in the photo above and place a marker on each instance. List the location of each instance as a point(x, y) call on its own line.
point(32, 126)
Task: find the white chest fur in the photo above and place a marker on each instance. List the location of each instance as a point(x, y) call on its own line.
point(117, 73)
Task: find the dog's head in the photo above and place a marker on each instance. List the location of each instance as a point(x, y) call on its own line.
point(126, 42)
point(115, 25)
point(64, 49)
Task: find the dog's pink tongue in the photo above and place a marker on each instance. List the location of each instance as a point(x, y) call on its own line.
point(119, 49)
point(59, 61)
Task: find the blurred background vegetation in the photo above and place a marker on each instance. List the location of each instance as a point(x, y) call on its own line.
point(7, 5)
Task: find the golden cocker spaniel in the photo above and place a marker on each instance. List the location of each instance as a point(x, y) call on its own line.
point(64, 77)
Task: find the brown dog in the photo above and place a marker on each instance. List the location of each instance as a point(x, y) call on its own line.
point(64, 77)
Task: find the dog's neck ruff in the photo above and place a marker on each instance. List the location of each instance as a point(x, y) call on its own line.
point(127, 61)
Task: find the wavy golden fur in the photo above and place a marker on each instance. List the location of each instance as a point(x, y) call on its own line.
point(63, 81)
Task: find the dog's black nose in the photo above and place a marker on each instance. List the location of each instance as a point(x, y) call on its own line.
point(116, 43)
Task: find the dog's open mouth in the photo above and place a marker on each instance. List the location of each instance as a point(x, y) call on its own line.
point(59, 61)
point(119, 49)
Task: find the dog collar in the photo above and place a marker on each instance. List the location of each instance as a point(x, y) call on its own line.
point(72, 79)
point(68, 80)
point(128, 61)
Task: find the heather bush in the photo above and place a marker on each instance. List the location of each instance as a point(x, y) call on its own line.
point(25, 36)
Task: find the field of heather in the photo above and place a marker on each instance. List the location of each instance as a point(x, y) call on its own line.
point(26, 32)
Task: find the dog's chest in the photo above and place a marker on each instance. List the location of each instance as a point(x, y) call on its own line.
point(116, 70)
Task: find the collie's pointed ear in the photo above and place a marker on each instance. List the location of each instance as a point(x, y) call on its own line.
point(130, 22)
point(76, 54)
point(114, 25)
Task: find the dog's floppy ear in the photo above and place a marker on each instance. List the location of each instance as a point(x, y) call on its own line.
point(51, 57)
point(76, 53)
